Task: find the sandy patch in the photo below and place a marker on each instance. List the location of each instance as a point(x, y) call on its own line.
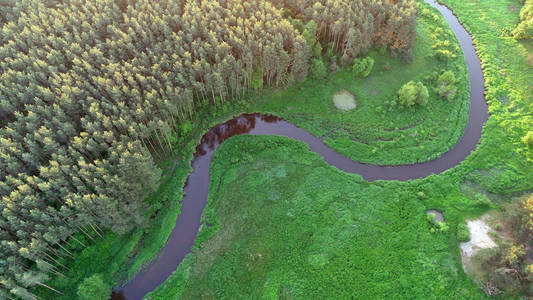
point(479, 239)
point(344, 100)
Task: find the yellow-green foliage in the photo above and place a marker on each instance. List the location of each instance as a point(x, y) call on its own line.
point(524, 30)
point(413, 93)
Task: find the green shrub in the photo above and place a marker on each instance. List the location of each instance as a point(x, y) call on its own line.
point(309, 33)
point(528, 140)
point(330, 52)
point(436, 226)
point(94, 288)
point(413, 93)
point(257, 79)
point(317, 49)
point(444, 54)
point(463, 234)
point(318, 69)
point(482, 201)
point(333, 67)
point(446, 86)
point(363, 66)
point(524, 30)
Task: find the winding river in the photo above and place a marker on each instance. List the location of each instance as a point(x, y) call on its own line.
point(197, 187)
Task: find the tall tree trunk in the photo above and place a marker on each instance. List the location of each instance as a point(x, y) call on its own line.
point(50, 288)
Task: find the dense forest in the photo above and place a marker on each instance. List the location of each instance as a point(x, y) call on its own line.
point(92, 93)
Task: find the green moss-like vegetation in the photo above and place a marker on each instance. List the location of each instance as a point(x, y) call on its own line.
point(463, 234)
point(284, 222)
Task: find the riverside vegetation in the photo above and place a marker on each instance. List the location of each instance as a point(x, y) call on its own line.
point(82, 158)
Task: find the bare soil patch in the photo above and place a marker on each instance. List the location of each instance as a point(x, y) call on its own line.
point(479, 239)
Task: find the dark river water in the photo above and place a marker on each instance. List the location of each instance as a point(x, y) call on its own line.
point(184, 233)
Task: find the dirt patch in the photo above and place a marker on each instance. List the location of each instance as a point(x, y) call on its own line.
point(511, 8)
point(344, 100)
point(479, 239)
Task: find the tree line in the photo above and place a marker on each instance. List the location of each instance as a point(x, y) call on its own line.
point(92, 91)
point(351, 27)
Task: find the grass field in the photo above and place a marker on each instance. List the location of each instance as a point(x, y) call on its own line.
point(287, 224)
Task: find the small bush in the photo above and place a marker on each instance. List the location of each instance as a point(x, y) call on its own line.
point(257, 79)
point(363, 66)
point(318, 69)
point(528, 140)
point(444, 54)
point(463, 234)
point(413, 93)
point(436, 226)
point(333, 67)
point(94, 288)
point(482, 201)
point(317, 50)
point(309, 33)
point(446, 86)
point(515, 253)
point(329, 53)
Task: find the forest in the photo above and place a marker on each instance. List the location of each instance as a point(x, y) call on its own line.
point(93, 94)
